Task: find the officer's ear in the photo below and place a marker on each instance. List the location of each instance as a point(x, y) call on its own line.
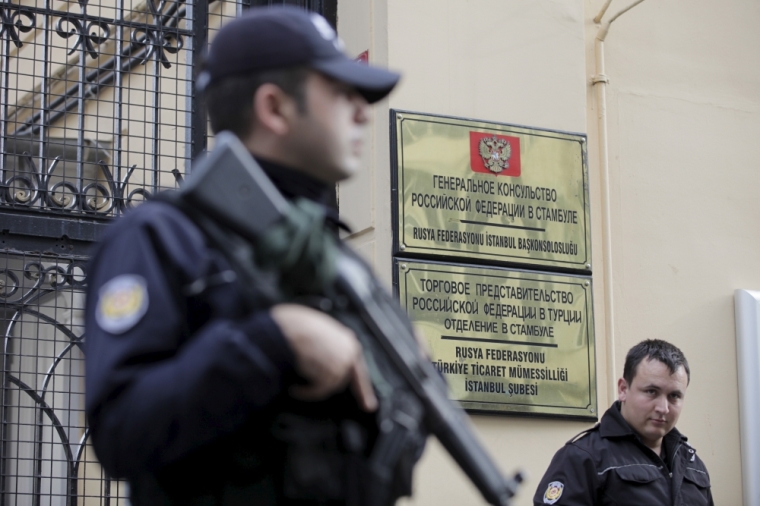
point(273, 109)
point(623, 389)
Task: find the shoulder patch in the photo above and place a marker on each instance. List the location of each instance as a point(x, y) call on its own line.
point(553, 492)
point(122, 302)
point(583, 434)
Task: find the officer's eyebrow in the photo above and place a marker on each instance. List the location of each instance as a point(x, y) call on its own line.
point(652, 386)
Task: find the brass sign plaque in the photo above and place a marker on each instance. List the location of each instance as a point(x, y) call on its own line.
point(490, 191)
point(506, 341)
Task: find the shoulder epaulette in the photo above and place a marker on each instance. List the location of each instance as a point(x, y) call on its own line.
point(583, 434)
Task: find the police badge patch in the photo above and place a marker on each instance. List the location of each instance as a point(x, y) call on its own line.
point(122, 302)
point(553, 492)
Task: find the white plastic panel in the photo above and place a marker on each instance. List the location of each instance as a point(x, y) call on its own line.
point(747, 304)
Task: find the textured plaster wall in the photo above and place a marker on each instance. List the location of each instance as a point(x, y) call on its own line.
point(684, 118)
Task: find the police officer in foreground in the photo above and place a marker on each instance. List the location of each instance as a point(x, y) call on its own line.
point(635, 456)
point(185, 380)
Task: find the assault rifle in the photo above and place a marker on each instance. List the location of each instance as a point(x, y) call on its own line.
point(230, 187)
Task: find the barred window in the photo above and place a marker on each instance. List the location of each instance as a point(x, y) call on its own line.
point(98, 112)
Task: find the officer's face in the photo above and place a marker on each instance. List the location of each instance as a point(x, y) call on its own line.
point(652, 403)
point(328, 139)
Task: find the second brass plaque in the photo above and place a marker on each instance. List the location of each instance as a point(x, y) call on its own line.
point(506, 341)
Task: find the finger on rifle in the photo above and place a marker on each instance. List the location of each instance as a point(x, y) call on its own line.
point(361, 386)
point(322, 385)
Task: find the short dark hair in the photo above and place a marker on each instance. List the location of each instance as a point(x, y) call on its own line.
point(654, 349)
point(230, 101)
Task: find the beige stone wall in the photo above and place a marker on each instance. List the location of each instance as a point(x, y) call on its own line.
point(684, 113)
point(683, 118)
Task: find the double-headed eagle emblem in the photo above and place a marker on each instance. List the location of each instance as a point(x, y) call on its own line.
point(495, 153)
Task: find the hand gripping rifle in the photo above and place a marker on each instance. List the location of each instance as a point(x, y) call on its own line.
point(229, 187)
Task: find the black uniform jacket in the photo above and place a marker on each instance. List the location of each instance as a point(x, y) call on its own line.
point(609, 465)
point(182, 379)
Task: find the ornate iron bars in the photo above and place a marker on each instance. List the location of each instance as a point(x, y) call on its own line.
point(45, 451)
point(36, 187)
point(97, 108)
point(12, 17)
point(146, 40)
point(160, 37)
point(27, 179)
point(83, 33)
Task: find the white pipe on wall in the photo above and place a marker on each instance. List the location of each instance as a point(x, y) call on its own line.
point(747, 309)
point(600, 81)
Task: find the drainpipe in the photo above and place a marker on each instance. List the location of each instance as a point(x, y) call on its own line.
point(600, 81)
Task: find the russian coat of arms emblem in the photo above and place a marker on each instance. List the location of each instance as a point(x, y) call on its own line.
point(495, 153)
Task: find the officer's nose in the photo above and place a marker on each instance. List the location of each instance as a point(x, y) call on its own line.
point(361, 108)
point(663, 406)
point(361, 115)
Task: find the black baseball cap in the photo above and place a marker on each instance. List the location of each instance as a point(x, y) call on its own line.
point(269, 38)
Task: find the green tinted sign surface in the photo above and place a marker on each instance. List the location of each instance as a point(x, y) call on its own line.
point(506, 341)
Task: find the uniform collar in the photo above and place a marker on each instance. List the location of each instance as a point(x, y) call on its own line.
point(614, 425)
point(295, 184)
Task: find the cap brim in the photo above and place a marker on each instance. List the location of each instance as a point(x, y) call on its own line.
point(372, 82)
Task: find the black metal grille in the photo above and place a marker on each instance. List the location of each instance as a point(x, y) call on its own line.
point(46, 458)
point(97, 110)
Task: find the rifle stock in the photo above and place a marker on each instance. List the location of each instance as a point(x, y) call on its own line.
point(231, 187)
